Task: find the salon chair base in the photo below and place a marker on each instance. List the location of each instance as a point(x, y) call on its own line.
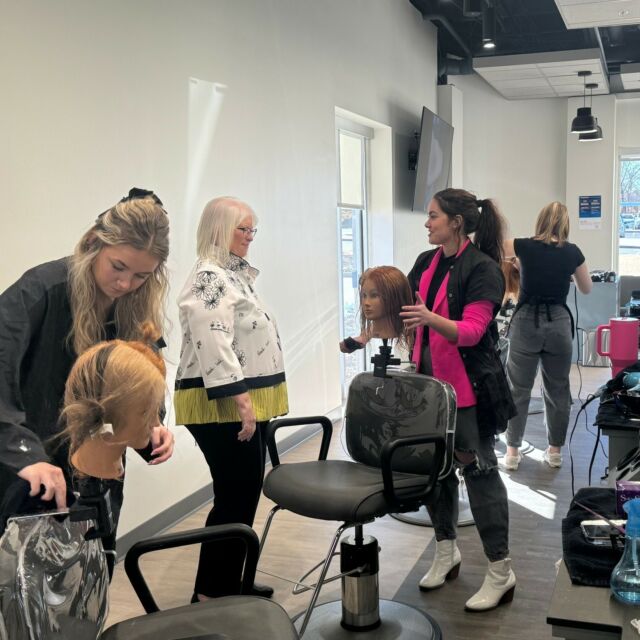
point(397, 621)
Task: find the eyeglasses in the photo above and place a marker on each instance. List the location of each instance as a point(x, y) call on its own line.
point(248, 231)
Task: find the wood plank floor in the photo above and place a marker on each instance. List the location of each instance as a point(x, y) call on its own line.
point(539, 497)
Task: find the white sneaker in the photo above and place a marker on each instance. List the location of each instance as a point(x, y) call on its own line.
point(445, 566)
point(510, 463)
point(552, 459)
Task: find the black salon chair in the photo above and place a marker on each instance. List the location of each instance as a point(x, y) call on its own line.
point(240, 617)
point(399, 432)
point(54, 584)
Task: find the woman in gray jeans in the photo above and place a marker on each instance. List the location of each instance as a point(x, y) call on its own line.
point(542, 328)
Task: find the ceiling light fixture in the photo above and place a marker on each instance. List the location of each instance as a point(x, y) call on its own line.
point(471, 8)
point(596, 135)
point(489, 27)
point(584, 122)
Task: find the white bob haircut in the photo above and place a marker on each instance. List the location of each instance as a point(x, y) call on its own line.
point(218, 221)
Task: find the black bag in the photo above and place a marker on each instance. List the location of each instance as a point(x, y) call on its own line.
point(494, 404)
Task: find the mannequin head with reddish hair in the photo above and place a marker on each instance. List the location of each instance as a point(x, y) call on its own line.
point(383, 292)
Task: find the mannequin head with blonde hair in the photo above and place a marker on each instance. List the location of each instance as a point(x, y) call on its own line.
point(112, 400)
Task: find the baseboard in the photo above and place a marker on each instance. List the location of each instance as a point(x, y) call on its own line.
point(180, 510)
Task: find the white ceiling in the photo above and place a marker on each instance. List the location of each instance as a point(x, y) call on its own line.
point(581, 14)
point(630, 76)
point(543, 75)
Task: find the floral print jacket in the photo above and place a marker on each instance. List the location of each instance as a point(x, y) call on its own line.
point(230, 343)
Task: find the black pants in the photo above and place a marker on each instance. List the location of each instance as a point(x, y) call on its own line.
point(237, 470)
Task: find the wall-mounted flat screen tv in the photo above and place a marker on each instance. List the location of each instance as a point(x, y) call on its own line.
point(433, 169)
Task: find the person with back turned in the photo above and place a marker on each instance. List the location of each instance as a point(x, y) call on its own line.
point(542, 329)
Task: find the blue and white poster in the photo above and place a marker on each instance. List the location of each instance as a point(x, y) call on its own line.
point(589, 212)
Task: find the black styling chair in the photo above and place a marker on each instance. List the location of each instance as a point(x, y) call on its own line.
point(241, 617)
point(399, 432)
point(54, 582)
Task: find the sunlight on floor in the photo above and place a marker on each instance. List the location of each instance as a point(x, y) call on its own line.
point(542, 503)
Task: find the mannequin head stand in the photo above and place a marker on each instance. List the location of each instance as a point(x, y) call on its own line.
point(383, 359)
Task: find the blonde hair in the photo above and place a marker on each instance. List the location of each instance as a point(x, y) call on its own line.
point(512, 280)
point(552, 224)
point(218, 221)
point(395, 291)
point(143, 224)
point(109, 383)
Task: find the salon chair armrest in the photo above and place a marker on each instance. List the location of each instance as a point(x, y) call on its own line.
point(185, 538)
point(274, 425)
point(386, 458)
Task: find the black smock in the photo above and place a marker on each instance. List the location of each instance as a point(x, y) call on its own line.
point(35, 360)
point(474, 276)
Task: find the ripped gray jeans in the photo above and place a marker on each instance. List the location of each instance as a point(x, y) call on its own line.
point(487, 493)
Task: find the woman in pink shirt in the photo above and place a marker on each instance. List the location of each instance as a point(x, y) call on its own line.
point(459, 288)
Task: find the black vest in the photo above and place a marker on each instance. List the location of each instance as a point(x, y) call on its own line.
point(475, 276)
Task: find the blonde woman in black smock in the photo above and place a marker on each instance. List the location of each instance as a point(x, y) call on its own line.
point(542, 328)
point(230, 381)
point(115, 282)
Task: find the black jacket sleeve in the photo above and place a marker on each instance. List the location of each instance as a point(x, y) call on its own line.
point(22, 309)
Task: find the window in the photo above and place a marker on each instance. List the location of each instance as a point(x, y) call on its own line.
point(352, 240)
point(629, 216)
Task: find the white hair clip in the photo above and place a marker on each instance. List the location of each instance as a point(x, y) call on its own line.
point(106, 428)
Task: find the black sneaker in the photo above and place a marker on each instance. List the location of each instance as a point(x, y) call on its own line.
point(262, 590)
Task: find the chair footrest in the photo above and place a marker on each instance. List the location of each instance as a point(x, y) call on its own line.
point(398, 620)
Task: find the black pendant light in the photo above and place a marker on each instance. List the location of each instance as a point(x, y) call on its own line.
point(584, 122)
point(489, 27)
point(596, 135)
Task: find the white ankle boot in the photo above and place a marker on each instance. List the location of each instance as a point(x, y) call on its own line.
point(445, 566)
point(497, 588)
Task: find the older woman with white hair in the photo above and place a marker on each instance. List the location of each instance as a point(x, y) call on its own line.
point(230, 381)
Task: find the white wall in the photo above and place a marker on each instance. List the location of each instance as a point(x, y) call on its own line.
point(628, 122)
point(521, 153)
point(591, 170)
point(451, 110)
point(97, 98)
point(513, 151)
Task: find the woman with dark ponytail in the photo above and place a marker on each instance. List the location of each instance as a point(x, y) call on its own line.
point(459, 289)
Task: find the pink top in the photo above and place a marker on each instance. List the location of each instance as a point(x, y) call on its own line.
point(446, 360)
